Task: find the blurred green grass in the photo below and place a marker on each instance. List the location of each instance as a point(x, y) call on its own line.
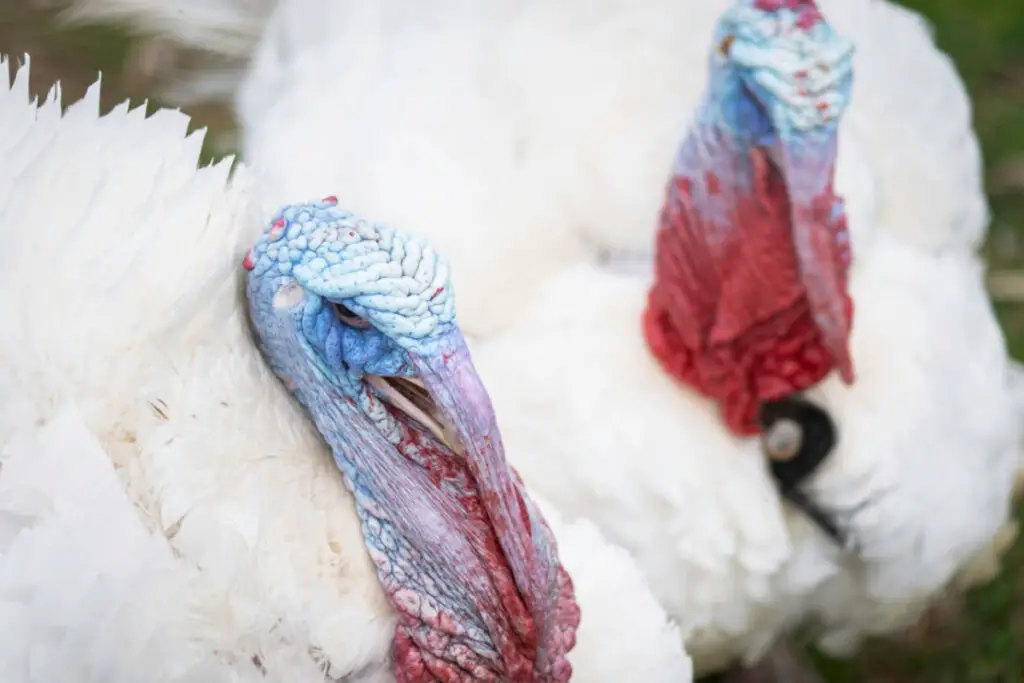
point(984, 643)
point(77, 55)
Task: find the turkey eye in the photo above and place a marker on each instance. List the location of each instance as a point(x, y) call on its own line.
point(797, 437)
point(782, 441)
point(348, 317)
point(726, 45)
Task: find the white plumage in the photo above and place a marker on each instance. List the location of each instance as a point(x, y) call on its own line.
point(166, 511)
point(515, 132)
point(922, 485)
point(522, 137)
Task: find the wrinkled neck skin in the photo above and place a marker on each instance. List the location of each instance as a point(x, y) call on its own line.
point(515, 517)
point(718, 164)
point(723, 159)
point(733, 134)
point(731, 310)
point(461, 616)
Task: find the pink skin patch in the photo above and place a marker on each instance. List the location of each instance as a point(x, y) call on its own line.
point(728, 313)
point(276, 229)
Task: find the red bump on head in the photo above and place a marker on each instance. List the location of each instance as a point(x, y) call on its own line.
point(809, 18)
point(809, 14)
point(330, 199)
point(247, 261)
point(276, 229)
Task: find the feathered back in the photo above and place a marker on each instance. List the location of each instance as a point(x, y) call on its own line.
point(88, 594)
point(112, 234)
point(97, 596)
point(121, 288)
point(927, 167)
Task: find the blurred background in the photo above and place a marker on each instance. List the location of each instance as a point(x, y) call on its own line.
point(977, 639)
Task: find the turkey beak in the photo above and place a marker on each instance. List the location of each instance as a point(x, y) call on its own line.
point(463, 403)
point(806, 160)
point(461, 400)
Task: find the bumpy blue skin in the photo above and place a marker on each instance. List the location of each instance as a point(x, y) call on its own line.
point(375, 271)
point(322, 255)
point(754, 92)
point(315, 254)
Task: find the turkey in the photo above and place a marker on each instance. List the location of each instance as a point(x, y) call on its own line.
point(170, 513)
point(533, 140)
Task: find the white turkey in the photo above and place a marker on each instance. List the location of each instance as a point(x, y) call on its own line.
point(169, 513)
point(532, 140)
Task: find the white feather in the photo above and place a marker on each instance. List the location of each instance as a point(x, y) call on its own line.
point(925, 466)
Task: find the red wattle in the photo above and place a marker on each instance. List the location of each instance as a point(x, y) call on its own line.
point(432, 646)
point(728, 314)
